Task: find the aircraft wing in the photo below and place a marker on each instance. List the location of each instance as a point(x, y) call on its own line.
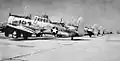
point(31, 29)
point(23, 28)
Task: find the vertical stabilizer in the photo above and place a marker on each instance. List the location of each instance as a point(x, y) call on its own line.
point(62, 20)
point(80, 26)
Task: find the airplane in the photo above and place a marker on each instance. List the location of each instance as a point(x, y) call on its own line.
point(76, 31)
point(73, 31)
point(27, 26)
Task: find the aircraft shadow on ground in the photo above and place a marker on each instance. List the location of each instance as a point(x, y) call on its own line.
point(2, 37)
point(81, 40)
point(31, 39)
point(73, 39)
point(49, 38)
point(113, 40)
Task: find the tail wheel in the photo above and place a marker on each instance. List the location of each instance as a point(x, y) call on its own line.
point(54, 30)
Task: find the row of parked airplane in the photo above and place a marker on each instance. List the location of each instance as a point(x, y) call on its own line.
point(25, 26)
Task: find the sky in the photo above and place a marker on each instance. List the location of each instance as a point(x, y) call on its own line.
point(102, 12)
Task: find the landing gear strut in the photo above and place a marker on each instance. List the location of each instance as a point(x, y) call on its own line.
point(71, 38)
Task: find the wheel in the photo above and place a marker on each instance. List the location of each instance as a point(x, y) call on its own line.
point(8, 30)
point(71, 38)
point(90, 35)
point(59, 35)
point(16, 34)
point(26, 35)
point(38, 35)
point(97, 34)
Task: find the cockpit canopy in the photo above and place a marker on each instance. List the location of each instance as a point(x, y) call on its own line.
point(45, 16)
point(42, 18)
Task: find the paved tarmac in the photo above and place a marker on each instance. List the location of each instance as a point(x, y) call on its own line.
point(105, 48)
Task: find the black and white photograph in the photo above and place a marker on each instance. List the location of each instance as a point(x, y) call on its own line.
point(59, 30)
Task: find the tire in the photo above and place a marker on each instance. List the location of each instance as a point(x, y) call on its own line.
point(7, 31)
point(38, 35)
point(26, 35)
point(90, 35)
point(59, 35)
point(16, 34)
point(71, 38)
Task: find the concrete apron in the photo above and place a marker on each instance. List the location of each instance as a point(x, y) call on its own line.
point(0, 55)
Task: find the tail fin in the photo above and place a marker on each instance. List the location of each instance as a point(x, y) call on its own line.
point(80, 26)
point(9, 14)
point(61, 20)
